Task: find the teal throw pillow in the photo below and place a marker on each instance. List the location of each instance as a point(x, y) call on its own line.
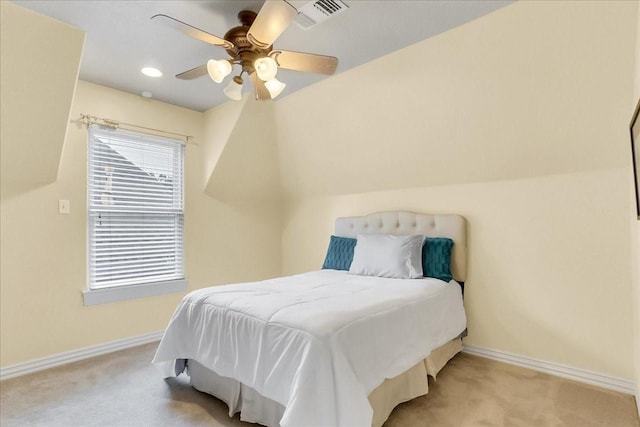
point(340, 253)
point(436, 258)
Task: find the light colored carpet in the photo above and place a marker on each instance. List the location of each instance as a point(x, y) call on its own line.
point(123, 389)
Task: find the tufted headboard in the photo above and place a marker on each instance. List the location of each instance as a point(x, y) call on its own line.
point(403, 222)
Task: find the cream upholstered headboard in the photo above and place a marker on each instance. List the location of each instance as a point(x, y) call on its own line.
point(404, 222)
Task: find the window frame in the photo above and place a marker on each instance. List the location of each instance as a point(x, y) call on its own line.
point(121, 292)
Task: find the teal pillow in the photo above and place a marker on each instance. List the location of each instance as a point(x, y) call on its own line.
point(340, 253)
point(436, 258)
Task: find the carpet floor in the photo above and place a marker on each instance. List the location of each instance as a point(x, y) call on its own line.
point(123, 389)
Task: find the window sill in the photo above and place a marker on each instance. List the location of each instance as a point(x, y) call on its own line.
point(124, 293)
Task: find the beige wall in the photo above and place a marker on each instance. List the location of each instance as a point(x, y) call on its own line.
point(517, 120)
point(44, 253)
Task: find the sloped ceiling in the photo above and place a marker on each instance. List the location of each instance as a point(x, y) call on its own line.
point(241, 152)
point(522, 92)
point(38, 79)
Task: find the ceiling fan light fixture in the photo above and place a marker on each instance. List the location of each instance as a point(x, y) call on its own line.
point(218, 69)
point(275, 87)
point(234, 89)
point(266, 68)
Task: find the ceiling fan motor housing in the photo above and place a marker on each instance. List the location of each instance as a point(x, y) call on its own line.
point(244, 52)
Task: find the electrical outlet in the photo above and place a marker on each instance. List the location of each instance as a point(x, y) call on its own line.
point(64, 207)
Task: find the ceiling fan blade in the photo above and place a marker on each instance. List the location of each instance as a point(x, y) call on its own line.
point(307, 62)
point(261, 90)
point(274, 17)
point(192, 31)
point(193, 73)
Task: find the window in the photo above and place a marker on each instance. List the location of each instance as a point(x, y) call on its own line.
point(136, 215)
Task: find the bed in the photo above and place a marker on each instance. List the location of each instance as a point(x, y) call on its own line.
point(325, 348)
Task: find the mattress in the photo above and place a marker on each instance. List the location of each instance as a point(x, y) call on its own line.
point(318, 343)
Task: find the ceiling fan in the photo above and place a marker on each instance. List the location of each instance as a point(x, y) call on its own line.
point(250, 45)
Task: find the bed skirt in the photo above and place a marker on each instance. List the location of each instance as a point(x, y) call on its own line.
point(255, 408)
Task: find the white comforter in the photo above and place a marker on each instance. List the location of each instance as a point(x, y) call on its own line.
point(319, 342)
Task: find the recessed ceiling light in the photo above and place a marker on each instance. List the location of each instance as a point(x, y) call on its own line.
point(147, 94)
point(151, 72)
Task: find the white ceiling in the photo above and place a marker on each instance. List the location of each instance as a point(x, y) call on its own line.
point(121, 39)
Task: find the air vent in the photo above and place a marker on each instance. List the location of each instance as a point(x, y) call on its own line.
point(314, 12)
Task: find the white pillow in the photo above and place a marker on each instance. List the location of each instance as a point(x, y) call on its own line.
point(388, 256)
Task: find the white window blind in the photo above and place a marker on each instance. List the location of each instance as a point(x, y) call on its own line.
point(136, 208)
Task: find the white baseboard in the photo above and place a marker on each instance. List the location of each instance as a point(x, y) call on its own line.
point(76, 355)
point(569, 372)
point(576, 374)
point(638, 399)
